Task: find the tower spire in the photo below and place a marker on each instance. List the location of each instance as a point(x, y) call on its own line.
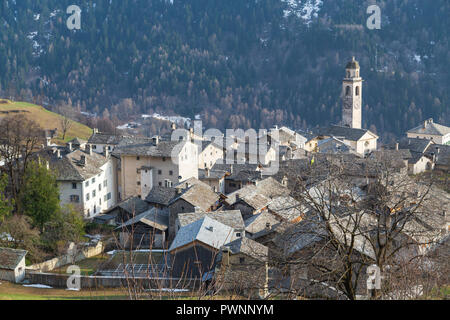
point(352, 95)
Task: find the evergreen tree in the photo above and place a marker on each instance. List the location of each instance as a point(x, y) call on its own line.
point(40, 195)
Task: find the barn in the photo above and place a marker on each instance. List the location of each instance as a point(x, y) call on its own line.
point(12, 264)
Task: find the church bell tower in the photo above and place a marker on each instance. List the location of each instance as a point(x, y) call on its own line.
point(352, 96)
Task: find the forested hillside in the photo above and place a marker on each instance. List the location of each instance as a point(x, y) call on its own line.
point(239, 63)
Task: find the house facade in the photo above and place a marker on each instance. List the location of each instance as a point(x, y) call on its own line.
point(12, 265)
point(429, 130)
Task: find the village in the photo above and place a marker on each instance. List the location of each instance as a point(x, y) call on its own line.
point(278, 213)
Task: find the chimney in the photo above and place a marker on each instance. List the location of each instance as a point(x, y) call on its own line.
point(396, 146)
point(89, 149)
point(155, 140)
point(237, 197)
point(267, 226)
point(197, 209)
point(174, 126)
point(70, 146)
point(231, 169)
point(58, 153)
point(95, 130)
point(83, 161)
point(106, 152)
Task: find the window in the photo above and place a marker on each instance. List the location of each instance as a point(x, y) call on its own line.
point(347, 91)
point(93, 193)
point(108, 196)
point(93, 180)
point(159, 172)
point(105, 183)
point(138, 183)
point(138, 158)
point(357, 91)
point(87, 196)
point(170, 173)
point(168, 183)
point(100, 201)
point(100, 187)
point(241, 260)
point(238, 234)
point(94, 146)
point(74, 185)
point(74, 199)
point(87, 184)
point(104, 198)
point(160, 183)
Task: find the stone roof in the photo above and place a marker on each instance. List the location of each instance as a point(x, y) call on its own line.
point(249, 247)
point(206, 230)
point(443, 156)
point(211, 175)
point(105, 138)
point(233, 168)
point(245, 176)
point(133, 205)
point(259, 195)
point(138, 146)
point(413, 144)
point(69, 167)
point(431, 128)
point(152, 217)
point(231, 218)
point(347, 133)
point(286, 207)
point(264, 221)
point(198, 196)
point(161, 195)
point(77, 142)
point(10, 258)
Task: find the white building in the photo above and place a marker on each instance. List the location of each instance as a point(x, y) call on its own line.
point(429, 130)
point(86, 179)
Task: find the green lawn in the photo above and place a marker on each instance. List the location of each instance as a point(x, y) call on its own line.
point(87, 266)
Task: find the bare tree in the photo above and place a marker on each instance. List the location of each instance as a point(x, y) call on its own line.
point(20, 137)
point(357, 213)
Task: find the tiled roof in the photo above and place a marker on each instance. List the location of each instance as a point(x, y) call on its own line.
point(10, 258)
point(249, 247)
point(231, 218)
point(431, 128)
point(134, 205)
point(206, 230)
point(443, 156)
point(245, 176)
point(413, 144)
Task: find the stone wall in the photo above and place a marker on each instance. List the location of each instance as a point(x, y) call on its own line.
point(73, 255)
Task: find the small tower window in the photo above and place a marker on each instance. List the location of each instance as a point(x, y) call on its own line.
point(357, 91)
point(348, 74)
point(347, 91)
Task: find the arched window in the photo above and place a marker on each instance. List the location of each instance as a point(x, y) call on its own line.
point(347, 91)
point(348, 74)
point(357, 91)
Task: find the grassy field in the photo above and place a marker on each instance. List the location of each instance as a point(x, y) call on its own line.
point(87, 266)
point(45, 118)
point(9, 291)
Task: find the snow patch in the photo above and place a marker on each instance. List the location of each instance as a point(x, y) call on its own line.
point(304, 9)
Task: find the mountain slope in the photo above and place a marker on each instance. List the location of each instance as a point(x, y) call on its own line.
point(240, 63)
